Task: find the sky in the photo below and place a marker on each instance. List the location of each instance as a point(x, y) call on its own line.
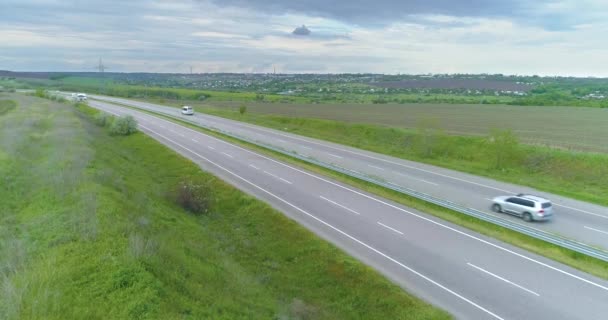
point(544, 37)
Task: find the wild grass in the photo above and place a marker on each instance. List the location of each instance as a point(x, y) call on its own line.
point(6, 106)
point(89, 228)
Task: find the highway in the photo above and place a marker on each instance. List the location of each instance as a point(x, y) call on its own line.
point(577, 220)
point(467, 274)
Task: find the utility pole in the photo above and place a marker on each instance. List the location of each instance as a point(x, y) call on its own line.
point(190, 69)
point(102, 69)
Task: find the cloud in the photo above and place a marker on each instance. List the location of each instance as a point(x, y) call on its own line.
point(550, 14)
point(509, 36)
point(379, 12)
point(301, 31)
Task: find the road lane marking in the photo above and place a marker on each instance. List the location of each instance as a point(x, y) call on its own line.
point(395, 230)
point(194, 140)
point(210, 147)
point(307, 148)
point(454, 293)
point(286, 181)
point(282, 141)
point(470, 236)
point(503, 279)
point(339, 205)
point(601, 231)
point(375, 167)
point(335, 156)
point(277, 177)
point(227, 155)
point(254, 167)
point(414, 178)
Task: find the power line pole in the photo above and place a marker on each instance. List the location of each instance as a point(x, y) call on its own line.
point(102, 69)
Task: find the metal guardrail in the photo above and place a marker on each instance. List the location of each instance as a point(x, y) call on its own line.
point(532, 232)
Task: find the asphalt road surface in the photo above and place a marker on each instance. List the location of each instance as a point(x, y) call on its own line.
point(467, 274)
point(578, 220)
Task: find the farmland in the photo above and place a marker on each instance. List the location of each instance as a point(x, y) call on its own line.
point(581, 129)
point(456, 83)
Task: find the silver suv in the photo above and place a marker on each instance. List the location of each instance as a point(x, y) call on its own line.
point(530, 208)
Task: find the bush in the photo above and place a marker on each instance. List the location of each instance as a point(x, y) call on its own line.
point(194, 197)
point(102, 119)
point(123, 126)
point(41, 93)
point(242, 109)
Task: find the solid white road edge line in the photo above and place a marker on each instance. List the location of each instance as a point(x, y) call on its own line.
point(334, 228)
point(503, 279)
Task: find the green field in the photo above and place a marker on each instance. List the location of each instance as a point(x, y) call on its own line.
point(584, 129)
point(89, 229)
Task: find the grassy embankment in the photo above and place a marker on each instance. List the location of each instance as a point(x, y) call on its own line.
point(6, 106)
point(89, 229)
point(500, 156)
point(565, 256)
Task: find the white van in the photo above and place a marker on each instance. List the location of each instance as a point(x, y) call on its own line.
point(81, 97)
point(187, 110)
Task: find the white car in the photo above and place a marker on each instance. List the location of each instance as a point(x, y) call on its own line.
point(187, 110)
point(81, 97)
point(528, 207)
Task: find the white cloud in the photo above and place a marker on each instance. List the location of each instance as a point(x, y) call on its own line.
point(157, 36)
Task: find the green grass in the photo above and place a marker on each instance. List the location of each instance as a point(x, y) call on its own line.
point(88, 230)
point(6, 106)
point(576, 260)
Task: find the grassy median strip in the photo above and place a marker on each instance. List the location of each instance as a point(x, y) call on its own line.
point(574, 259)
point(90, 229)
